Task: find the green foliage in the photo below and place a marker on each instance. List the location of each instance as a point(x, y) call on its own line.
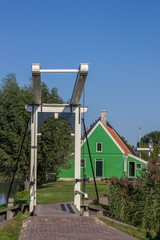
point(12, 124)
point(131, 146)
point(54, 147)
point(55, 144)
point(155, 136)
point(144, 156)
point(3, 206)
point(138, 202)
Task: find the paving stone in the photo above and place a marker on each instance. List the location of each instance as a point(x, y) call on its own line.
point(63, 222)
point(68, 228)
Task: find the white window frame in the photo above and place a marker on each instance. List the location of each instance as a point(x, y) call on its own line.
point(97, 146)
point(99, 159)
point(84, 162)
point(138, 167)
point(134, 169)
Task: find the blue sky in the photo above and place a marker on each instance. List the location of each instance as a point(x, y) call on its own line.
point(120, 39)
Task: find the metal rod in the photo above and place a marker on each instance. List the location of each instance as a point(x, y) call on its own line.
point(58, 70)
point(85, 195)
point(15, 170)
point(90, 160)
point(84, 181)
point(139, 140)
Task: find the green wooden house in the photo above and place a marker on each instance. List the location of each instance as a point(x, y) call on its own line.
point(111, 156)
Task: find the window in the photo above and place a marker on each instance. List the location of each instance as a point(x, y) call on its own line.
point(83, 163)
point(99, 147)
point(139, 165)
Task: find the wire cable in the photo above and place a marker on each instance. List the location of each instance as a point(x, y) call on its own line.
point(15, 170)
point(90, 160)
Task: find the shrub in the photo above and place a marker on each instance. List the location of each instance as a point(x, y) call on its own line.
point(138, 202)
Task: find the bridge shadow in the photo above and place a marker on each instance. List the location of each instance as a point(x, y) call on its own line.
point(64, 209)
point(60, 209)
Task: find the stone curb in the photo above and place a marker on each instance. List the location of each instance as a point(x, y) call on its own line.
point(121, 223)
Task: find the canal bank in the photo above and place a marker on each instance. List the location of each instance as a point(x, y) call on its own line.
point(4, 189)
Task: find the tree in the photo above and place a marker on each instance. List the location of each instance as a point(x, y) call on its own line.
point(55, 144)
point(131, 146)
point(12, 124)
point(155, 136)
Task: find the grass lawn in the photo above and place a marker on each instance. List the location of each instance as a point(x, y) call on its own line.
point(62, 191)
point(3, 206)
point(11, 230)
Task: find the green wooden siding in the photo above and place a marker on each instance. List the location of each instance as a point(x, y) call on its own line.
point(138, 171)
point(111, 155)
point(99, 135)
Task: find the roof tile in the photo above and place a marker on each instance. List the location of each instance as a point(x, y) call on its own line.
point(118, 140)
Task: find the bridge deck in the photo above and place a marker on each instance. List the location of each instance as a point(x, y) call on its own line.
point(62, 209)
point(62, 222)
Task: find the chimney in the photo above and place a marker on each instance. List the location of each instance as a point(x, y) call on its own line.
point(104, 117)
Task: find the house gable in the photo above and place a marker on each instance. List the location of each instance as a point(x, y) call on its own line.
point(99, 134)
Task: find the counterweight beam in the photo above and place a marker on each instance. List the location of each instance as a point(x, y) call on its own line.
point(78, 87)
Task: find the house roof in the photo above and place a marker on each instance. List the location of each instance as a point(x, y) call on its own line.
point(119, 140)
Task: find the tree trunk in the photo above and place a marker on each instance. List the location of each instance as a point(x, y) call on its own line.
point(47, 177)
point(26, 184)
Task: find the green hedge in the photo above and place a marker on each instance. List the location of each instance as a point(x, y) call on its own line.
point(138, 202)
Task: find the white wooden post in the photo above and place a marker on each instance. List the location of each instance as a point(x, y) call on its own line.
point(33, 163)
point(77, 158)
point(125, 156)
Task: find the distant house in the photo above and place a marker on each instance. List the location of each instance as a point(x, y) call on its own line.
point(111, 156)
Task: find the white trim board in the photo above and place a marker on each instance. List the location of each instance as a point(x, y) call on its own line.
point(137, 158)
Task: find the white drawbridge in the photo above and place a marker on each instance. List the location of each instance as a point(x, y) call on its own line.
point(40, 112)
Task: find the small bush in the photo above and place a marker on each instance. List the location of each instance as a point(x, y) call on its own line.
point(138, 202)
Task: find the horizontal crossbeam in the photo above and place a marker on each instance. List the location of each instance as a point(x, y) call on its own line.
point(36, 69)
point(143, 150)
point(59, 70)
point(56, 108)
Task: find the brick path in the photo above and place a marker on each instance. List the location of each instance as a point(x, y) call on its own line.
point(62, 222)
point(69, 228)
